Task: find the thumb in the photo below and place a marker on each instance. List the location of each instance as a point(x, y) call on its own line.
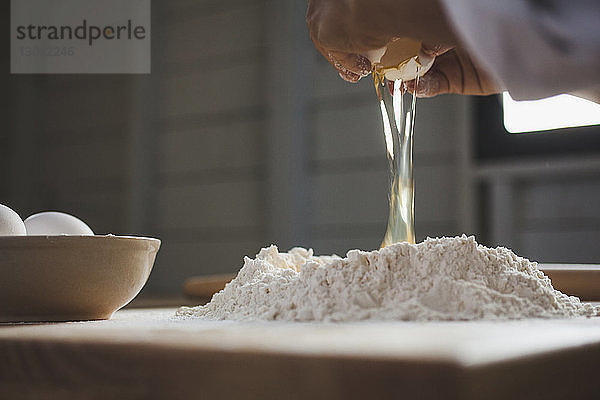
point(434, 50)
point(454, 72)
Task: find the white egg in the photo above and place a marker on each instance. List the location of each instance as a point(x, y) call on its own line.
point(402, 59)
point(51, 223)
point(411, 68)
point(10, 223)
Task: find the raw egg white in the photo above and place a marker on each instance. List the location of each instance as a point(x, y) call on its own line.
point(56, 223)
point(10, 223)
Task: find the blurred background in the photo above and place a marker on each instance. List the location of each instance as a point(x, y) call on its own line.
point(243, 136)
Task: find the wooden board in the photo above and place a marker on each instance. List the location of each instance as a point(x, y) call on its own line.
point(581, 280)
point(203, 287)
point(152, 355)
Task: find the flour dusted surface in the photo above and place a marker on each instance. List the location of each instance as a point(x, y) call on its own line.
point(438, 279)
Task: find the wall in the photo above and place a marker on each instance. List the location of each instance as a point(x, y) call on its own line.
point(222, 134)
point(244, 136)
point(241, 137)
point(349, 168)
point(546, 210)
point(211, 167)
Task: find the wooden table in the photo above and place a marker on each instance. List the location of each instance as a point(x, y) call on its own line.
point(149, 354)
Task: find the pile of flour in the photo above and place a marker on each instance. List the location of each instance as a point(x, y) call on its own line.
point(438, 279)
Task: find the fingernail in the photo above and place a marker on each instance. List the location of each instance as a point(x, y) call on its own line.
point(349, 76)
point(428, 50)
point(429, 86)
point(390, 86)
point(364, 65)
point(404, 88)
point(434, 50)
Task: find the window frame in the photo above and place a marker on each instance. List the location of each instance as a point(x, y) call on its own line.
point(492, 142)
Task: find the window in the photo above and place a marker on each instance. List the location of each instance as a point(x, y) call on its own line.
point(563, 111)
point(494, 142)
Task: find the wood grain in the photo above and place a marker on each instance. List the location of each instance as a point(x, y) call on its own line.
point(581, 280)
point(204, 287)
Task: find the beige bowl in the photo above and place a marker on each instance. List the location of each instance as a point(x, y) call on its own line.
point(68, 278)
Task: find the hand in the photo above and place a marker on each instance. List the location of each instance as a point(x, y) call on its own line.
point(343, 30)
point(339, 35)
point(453, 72)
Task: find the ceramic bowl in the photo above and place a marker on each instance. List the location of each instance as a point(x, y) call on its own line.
point(71, 278)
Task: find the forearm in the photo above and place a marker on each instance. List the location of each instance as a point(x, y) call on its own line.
point(536, 49)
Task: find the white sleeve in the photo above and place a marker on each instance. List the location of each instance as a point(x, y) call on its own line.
point(535, 48)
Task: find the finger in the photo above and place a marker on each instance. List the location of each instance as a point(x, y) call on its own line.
point(351, 67)
point(454, 72)
point(462, 75)
point(349, 76)
point(429, 85)
point(347, 62)
point(434, 50)
point(390, 86)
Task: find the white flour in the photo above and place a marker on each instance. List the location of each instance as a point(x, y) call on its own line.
point(438, 279)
